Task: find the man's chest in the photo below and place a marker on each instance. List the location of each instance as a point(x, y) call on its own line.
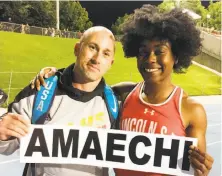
point(75, 113)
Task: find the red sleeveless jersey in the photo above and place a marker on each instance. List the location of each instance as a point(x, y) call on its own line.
point(140, 116)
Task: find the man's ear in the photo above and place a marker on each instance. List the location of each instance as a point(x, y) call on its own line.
point(112, 62)
point(76, 49)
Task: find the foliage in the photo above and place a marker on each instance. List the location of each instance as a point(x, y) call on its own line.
point(117, 26)
point(34, 13)
point(215, 15)
point(167, 5)
point(43, 14)
point(73, 17)
point(194, 5)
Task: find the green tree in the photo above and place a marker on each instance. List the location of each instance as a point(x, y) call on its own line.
point(73, 16)
point(215, 15)
point(167, 5)
point(40, 13)
point(9, 10)
point(43, 14)
point(194, 5)
point(117, 26)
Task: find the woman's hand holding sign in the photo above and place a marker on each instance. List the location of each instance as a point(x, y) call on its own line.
point(201, 161)
point(13, 125)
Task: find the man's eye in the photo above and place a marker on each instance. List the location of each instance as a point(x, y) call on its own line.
point(92, 47)
point(107, 54)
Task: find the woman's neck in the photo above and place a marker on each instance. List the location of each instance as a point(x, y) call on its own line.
point(157, 93)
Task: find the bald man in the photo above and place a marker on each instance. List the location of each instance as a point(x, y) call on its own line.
point(79, 97)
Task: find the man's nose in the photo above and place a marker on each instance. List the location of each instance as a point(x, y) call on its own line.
point(96, 58)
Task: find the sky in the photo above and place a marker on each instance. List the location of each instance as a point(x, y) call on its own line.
point(105, 13)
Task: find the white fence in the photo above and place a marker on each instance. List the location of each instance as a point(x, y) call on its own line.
point(26, 29)
point(211, 45)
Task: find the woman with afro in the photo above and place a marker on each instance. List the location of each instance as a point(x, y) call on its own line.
point(163, 43)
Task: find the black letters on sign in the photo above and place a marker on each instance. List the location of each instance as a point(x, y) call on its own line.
point(186, 163)
point(111, 137)
point(37, 134)
point(73, 138)
point(132, 150)
point(92, 137)
point(172, 153)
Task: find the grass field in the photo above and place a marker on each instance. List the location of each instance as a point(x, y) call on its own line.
point(30, 53)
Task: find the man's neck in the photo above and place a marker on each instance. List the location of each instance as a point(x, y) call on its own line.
point(87, 87)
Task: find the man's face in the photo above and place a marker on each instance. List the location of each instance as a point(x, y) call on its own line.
point(155, 60)
point(95, 56)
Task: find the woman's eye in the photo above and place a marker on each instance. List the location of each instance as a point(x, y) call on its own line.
point(143, 54)
point(159, 52)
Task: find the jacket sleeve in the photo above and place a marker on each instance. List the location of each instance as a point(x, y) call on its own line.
point(22, 105)
point(122, 89)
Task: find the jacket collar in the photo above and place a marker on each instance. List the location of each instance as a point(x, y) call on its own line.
point(65, 83)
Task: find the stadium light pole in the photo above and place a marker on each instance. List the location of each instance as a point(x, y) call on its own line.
point(57, 14)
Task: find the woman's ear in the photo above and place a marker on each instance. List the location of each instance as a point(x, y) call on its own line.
point(176, 61)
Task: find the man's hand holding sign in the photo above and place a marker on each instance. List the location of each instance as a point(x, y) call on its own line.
point(107, 148)
point(13, 126)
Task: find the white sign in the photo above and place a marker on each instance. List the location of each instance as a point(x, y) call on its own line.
point(107, 148)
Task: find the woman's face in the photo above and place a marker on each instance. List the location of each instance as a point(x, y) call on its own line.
point(155, 60)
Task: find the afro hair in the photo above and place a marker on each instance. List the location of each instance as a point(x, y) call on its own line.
point(174, 26)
